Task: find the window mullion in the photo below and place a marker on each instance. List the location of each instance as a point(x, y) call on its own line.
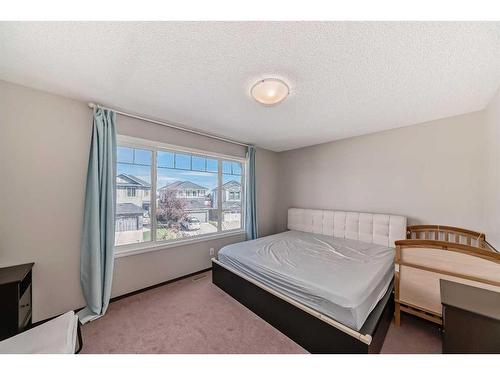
point(219, 196)
point(243, 179)
point(154, 174)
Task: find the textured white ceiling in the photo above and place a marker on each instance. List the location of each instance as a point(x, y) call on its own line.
point(346, 78)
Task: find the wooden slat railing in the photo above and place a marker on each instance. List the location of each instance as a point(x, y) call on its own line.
point(448, 234)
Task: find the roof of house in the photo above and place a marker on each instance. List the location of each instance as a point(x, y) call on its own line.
point(231, 206)
point(129, 209)
point(197, 204)
point(180, 185)
point(128, 180)
point(231, 186)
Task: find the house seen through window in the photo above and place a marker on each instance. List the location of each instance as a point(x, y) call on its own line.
point(195, 195)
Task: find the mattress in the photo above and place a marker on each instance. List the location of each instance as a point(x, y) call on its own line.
point(57, 336)
point(341, 278)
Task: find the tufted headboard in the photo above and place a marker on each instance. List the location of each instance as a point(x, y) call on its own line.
point(379, 229)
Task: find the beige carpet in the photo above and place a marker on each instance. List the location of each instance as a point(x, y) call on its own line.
point(194, 316)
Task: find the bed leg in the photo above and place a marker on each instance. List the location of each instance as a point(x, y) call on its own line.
point(397, 315)
point(397, 309)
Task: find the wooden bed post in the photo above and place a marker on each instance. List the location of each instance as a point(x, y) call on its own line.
point(397, 310)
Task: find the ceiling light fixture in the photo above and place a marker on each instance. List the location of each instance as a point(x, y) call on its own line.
point(270, 91)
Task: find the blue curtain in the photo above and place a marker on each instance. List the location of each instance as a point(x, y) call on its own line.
point(96, 258)
point(251, 202)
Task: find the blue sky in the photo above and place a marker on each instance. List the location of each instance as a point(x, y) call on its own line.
point(197, 169)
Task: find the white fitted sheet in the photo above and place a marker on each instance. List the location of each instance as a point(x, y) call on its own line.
point(57, 336)
point(341, 278)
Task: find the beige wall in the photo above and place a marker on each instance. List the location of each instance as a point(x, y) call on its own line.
point(492, 184)
point(44, 145)
point(266, 176)
point(159, 133)
point(431, 173)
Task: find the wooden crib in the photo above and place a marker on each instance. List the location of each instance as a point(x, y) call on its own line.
point(434, 252)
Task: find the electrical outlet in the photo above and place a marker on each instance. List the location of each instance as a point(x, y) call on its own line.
point(212, 251)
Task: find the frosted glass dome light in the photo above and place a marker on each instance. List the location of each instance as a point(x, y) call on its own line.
point(270, 91)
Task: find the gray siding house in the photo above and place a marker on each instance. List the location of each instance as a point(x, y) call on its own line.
point(132, 203)
point(196, 198)
point(231, 200)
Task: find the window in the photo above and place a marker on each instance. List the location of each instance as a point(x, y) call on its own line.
point(196, 195)
point(232, 182)
point(130, 192)
point(133, 187)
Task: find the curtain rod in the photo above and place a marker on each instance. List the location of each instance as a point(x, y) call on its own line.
point(177, 127)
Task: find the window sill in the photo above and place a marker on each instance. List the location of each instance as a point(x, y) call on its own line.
point(129, 250)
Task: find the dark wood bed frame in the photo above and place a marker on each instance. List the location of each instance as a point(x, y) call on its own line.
point(307, 330)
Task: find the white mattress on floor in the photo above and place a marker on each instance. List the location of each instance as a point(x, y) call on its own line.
point(57, 336)
point(341, 278)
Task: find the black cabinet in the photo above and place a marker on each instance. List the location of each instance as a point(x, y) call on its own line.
point(15, 299)
point(471, 319)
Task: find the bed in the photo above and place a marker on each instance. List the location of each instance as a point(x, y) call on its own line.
point(434, 252)
point(326, 283)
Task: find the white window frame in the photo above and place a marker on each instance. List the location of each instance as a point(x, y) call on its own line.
point(131, 189)
point(153, 244)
